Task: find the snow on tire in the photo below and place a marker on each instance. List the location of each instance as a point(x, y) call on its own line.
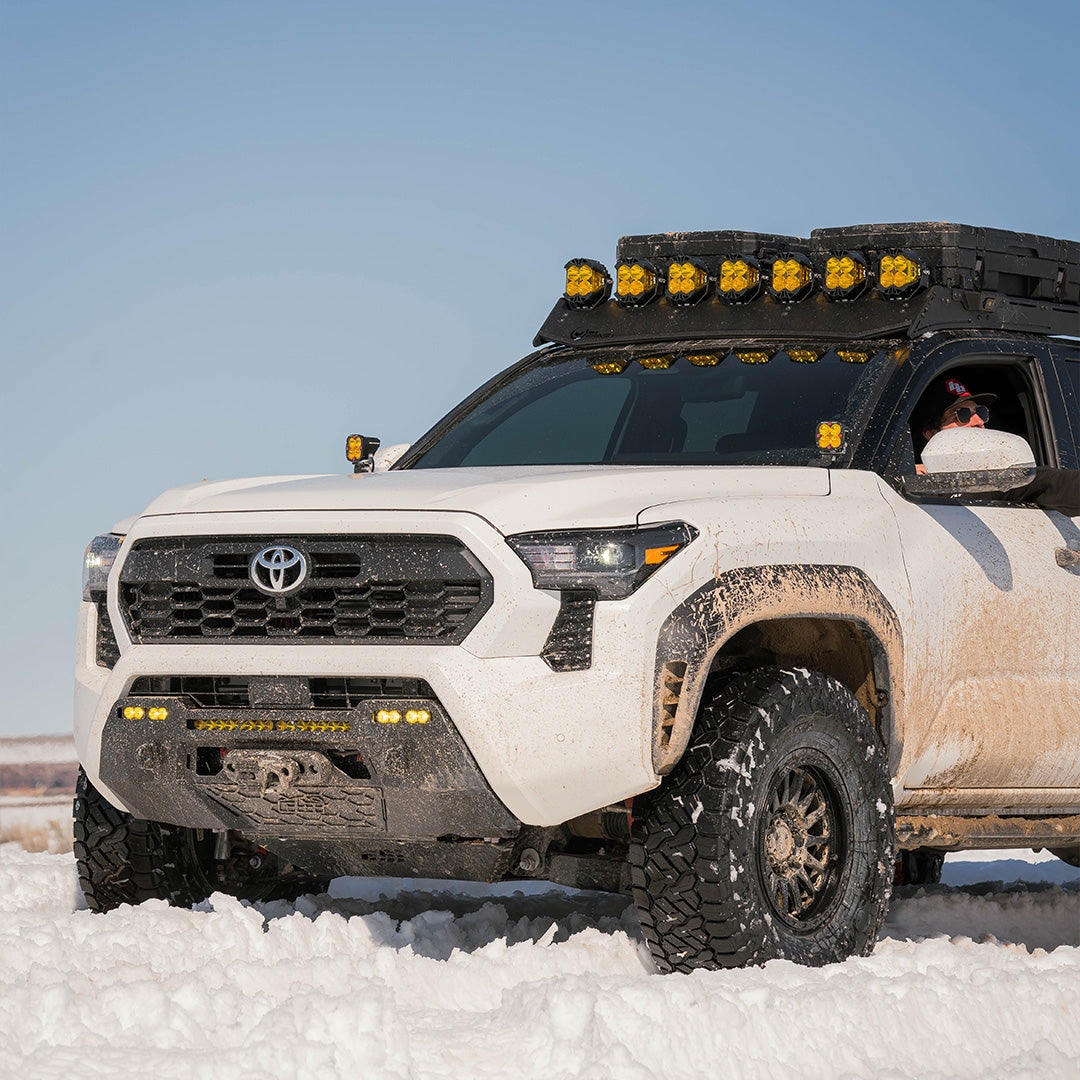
point(773, 838)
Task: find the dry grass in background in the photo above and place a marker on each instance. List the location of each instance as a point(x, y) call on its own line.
point(37, 785)
point(48, 829)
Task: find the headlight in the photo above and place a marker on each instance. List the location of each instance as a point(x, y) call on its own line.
point(614, 562)
point(97, 562)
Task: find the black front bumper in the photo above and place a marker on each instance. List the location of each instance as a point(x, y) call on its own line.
point(300, 772)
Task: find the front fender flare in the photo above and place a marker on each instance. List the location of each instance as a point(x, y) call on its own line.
point(697, 629)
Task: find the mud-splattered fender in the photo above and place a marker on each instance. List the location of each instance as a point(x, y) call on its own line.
point(697, 629)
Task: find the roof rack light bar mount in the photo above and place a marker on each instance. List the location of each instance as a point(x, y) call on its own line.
point(978, 279)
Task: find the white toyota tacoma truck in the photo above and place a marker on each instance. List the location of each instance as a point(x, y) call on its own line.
point(678, 605)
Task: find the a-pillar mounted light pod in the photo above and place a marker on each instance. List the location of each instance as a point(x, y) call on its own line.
point(831, 437)
point(791, 278)
point(587, 283)
point(637, 282)
point(360, 450)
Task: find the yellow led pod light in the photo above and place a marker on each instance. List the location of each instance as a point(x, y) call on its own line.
point(846, 276)
point(615, 366)
point(791, 278)
point(830, 436)
point(637, 282)
point(687, 281)
point(900, 275)
point(655, 363)
point(587, 283)
point(740, 279)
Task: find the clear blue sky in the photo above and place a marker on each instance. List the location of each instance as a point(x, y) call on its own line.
point(233, 232)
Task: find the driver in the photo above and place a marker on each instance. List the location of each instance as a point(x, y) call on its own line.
point(948, 403)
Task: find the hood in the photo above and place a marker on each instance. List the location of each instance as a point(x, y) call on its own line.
point(511, 498)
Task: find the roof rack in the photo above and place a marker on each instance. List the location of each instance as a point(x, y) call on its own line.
point(957, 277)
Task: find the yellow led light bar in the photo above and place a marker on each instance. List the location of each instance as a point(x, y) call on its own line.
point(159, 713)
point(312, 726)
point(791, 278)
point(611, 367)
point(740, 280)
point(850, 357)
point(687, 281)
point(804, 356)
point(417, 716)
point(636, 283)
point(587, 283)
point(845, 276)
point(830, 435)
point(232, 725)
point(133, 712)
point(710, 359)
point(303, 727)
point(899, 275)
point(656, 363)
point(754, 357)
point(387, 716)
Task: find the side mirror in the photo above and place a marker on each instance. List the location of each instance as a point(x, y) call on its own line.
point(973, 461)
point(388, 456)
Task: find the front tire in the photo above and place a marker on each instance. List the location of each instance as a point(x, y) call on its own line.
point(774, 836)
point(125, 860)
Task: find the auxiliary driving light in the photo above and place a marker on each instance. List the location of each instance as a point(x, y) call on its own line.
point(587, 283)
point(388, 716)
point(655, 363)
point(614, 366)
point(134, 712)
point(804, 356)
point(830, 436)
point(740, 280)
point(707, 359)
point(753, 356)
point(791, 278)
point(417, 716)
point(636, 283)
point(360, 452)
point(850, 357)
point(687, 281)
point(900, 275)
point(845, 276)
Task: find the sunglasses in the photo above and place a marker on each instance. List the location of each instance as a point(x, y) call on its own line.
point(964, 413)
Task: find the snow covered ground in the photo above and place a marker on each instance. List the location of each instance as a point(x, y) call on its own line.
point(417, 980)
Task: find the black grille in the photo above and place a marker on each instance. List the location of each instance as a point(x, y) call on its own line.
point(106, 651)
point(378, 589)
point(201, 691)
point(348, 693)
point(569, 645)
point(234, 691)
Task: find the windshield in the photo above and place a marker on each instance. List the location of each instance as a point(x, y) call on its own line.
point(715, 405)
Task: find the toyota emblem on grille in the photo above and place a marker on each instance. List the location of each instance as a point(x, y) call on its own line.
point(278, 569)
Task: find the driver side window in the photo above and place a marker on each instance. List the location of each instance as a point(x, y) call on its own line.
point(1014, 408)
